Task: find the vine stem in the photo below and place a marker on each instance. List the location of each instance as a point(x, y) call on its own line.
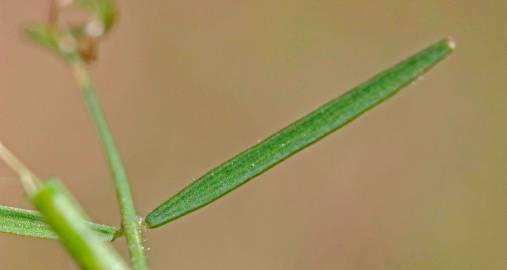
point(131, 224)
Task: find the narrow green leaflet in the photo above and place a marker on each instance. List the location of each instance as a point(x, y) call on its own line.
point(297, 136)
point(49, 37)
point(31, 223)
point(69, 222)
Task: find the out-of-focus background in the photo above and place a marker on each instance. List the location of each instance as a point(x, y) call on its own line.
point(417, 183)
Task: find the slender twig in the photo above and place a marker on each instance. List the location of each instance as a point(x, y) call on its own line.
point(78, 49)
point(131, 224)
point(29, 181)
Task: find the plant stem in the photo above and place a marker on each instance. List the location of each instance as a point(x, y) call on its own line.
point(71, 225)
point(130, 221)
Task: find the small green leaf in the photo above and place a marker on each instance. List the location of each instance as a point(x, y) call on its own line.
point(48, 37)
point(69, 222)
point(31, 223)
point(104, 10)
point(297, 136)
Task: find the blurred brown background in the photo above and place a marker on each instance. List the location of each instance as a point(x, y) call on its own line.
point(418, 183)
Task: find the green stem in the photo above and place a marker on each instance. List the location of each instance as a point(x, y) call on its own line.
point(130, 221)
point(70, 223)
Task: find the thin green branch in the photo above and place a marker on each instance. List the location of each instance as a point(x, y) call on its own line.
point(77, 45)
point(131, 224)
point(64, 216)
point(297, 136)
point(31, 223)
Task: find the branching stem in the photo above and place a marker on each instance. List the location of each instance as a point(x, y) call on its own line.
point(130, 221)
